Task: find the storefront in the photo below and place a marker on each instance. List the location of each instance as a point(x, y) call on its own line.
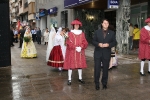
point(43, 18)
point(139, 14)
point(51, 18)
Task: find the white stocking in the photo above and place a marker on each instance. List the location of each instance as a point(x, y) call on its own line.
point(142, 67)
point(80, 73)
point(149, 66)
point(69, 74)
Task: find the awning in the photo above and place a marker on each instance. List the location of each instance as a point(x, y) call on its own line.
point(52, 10)
point(72, 3)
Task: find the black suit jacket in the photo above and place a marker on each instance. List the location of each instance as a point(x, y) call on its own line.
point(22, 32)
point(99, 38)
point(39, 34)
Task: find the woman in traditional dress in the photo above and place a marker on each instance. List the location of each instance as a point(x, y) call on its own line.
point(50, 42)
point(46, 36)
point(144, 46)
point(75, 52)
point(57, 54)
point(28, 47)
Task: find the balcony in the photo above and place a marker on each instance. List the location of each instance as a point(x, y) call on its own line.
point(14, 20)
point(16, 4)
point(31, 17)
point(12, 1)
point(26, 5)
point(29, 1)
point(13, 10)
point(20, 10)
point(13, 5)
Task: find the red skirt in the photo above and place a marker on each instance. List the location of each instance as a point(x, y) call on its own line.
point(56, 57)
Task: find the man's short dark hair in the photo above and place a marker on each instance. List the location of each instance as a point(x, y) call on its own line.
point(105, 20)
point(136, 25)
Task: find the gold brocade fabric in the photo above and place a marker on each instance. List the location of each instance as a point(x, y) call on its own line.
point(28, 50)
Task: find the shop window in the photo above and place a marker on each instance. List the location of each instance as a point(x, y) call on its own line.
point(64, 18)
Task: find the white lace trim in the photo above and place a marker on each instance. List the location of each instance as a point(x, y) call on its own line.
point(147, 27)
point(76, 32)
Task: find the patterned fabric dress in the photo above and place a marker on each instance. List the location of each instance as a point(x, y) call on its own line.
point(57, 54)
point(144, 45)
point(28, 49)
point(74, 59)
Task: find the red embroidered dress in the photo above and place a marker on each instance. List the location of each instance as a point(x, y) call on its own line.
point(74, 59)
point(144, 45)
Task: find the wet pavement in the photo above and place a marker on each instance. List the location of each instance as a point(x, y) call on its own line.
point(32, 79)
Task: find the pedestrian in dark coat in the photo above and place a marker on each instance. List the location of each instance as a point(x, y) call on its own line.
point(39, 35)
point(22, 31)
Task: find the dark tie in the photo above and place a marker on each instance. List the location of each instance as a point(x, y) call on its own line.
point(104, 33)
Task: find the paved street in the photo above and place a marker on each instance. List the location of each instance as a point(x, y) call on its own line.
point(32, 79)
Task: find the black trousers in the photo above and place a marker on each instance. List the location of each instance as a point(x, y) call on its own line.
point(39, 40)
point(21, 41)
point(34, 37)
point(97, 70)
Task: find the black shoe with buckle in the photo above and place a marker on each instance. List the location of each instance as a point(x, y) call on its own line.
point(81, 81)
point(69, 82)
point(142, 74)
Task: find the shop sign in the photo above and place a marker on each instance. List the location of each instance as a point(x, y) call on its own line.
point(42, 12)
point(52, 10)
point(37, 16)
point(113, 4)
point(72, 3)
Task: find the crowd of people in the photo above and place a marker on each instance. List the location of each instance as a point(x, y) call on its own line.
point(66, 48)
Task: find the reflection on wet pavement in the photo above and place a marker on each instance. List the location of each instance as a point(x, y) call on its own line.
point(32, 79)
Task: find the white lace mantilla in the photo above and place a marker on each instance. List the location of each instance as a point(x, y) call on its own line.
point(76, 32)
point(147, 27)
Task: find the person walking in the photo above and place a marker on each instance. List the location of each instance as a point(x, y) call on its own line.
point(46, 36)
point(28, 48)
point(39, 35)
point(75, 52)
point(130, 36)
point(16, 35)
point(136, 37)
point(103, 40)
point(22, 31)
point(144, 46)
point(57, 55)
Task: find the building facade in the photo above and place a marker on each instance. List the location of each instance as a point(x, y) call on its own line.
point(14, 11)
point(50, 12)
point(23, 10)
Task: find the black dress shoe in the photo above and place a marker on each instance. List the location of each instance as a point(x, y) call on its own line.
point(104, 87)
point(81, 81)
point(148, 72)
point(142, 74)
point(69, 82)
point(97, 87)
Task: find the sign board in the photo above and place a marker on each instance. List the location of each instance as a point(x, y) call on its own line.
point(42, 12)
point(113, 4)
point(52, 10)
point(72, 3)
point(37, 16)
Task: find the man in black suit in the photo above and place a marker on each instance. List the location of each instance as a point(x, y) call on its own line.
point(39, 35)
point(22, 31)
point(103, 41)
